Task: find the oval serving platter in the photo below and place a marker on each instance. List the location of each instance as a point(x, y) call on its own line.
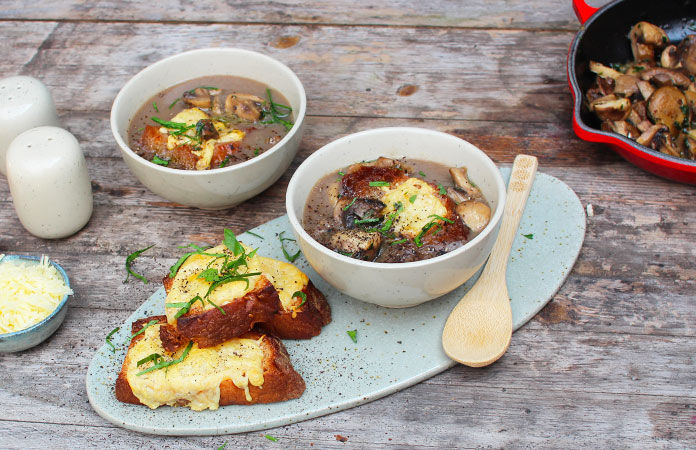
point(395, 348)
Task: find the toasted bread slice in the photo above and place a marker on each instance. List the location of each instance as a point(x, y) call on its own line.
point(266, 298)
point(253, 368)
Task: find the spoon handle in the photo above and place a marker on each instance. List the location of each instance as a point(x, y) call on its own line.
point(521, 180)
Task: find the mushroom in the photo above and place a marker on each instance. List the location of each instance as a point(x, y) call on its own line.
point(604, 71)
point(691, 101)
point(611, 108)
point(206, 129)
point(687, 53)
point(646, 89)
point(244, 106)
point(379, 162)
point(645, 38)
point(690, 144)
point(666, 77)
point(658, 137)
point(667, 106)
point(199, 97)
point(347, 211)
point(474, 214)
point(358, 244)
point(461, 180)
point(639, 116)
point(626, 85)
point(669, 58)
point(622, 127)
point(600, 88)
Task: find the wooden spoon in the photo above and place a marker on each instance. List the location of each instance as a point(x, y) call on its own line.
point(479, 329)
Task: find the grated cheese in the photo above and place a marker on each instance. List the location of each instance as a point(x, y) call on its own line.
point(29, 292)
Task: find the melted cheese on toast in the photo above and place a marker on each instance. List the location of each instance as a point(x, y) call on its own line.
point(286, 278)
point(415, 215)
point(196, 380)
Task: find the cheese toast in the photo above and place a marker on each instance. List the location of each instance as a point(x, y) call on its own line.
point(253, 368)
point(263, 291)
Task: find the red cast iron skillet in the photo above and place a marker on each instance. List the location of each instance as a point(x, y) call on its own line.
point(603, 38)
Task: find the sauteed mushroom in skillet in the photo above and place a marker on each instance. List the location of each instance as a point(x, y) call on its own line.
point(651, 99)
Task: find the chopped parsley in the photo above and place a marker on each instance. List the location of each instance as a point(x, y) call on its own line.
point(108, 338)
point(353, 335)
point(421, 173)
point(413, 198)
point(288, 256)
point(159, 161)
point(379, 183)
point(271, 438)
point(529, 236)
point(442, 190)
point(129, 260)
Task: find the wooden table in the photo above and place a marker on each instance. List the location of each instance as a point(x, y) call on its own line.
point(609, 363)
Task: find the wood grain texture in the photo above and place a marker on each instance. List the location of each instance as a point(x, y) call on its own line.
point(609, 363)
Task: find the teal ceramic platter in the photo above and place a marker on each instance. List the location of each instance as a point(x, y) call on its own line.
point(395, 348)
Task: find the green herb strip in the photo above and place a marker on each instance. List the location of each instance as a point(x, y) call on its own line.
point(185, 306)
point(345, 208)
point(388, 223)
point(413, 198)
point(129, 260)
point(442, 190)
point(222, 446)
point(176, 100)
point(302, 295)
point(277, 116)
point(271, 438)
point(154, 105)
point(529, 236)
point(444, 219)
point(289, 257)
point(224, 162)
point(353, 335)
point(254, 234)
point(340, 174)
point(400, 241)
point(231, 242)
point(108, 338)
point(163, 364)
point(218, 307)
point(379, 183)
point(145, 327)
point(421, 173)
point(363, 221)
point(199, 251)
point(156, 357)
point(350, 255)
point(159, 161)
point(172, 125)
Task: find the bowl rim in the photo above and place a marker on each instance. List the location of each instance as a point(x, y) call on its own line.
point(591, 134)
point(495, 220)
point(61, 305)
point(135, 79)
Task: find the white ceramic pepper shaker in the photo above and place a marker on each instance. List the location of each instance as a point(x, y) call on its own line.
point(49, 183)
point(25, 103)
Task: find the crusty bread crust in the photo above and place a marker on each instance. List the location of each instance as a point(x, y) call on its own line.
point(281, 381)
point(210, 327)
point(308, 319)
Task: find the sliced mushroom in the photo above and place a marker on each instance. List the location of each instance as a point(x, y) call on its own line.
point(199, 97)
point(639, 116)
point(206, 129)
point(611, 108)
point(645, 38)
point(604, 71)
point(474, 214)
point(358, 244)
point(626, 85)
point(622, 127)
point(244, 106)
point(658, 138)
point(456, 195)
point(691, 101)
point(667, 106)
point(379, 162)
point(690, 145)
point(669, 58)
point(347, 211)
point(666, 77)
point(646, 89)
point(600, 88)
point(461, 180)
point(687, 53)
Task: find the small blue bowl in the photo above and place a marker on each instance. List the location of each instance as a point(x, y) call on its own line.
point(35, 334)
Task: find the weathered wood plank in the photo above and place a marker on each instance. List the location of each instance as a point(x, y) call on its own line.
point(542, 14)
point(497, 75)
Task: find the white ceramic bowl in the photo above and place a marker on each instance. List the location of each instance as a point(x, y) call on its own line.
point(397, 284)
point(217, 188)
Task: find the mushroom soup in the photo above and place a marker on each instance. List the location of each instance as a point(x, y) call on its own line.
point(395, 210)
point(651, 99)
point(209, 123)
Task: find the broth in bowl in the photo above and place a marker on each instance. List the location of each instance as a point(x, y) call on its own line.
point(395, 210)
point(210, 122)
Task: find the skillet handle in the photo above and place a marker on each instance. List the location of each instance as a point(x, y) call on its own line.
point(583, 10)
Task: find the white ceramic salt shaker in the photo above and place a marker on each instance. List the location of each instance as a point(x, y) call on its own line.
point(49, 183)
point(25, 103)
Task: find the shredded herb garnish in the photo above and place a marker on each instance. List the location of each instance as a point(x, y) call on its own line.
point(271, 438)
point(345, 208)
point(348, 254)
point(368, 220)
point(129, 259)
point(231, 242)
point(288, 256)
point(413, 198)
point(172, 125)
point(108, 338)
point(163, 364)
point(145, 327)
point(176, 100)
point(400, 241)
point(224, 162)
point(156, 357)
point(442, 190)
point(302, 295)
point(442, 218)
point(277, 112)
point(340, 174)
point(257, 150)
point(162, 162)
point(199, 251)
point(222, 446)
point(254, 234)
point(388, 223)
point(428, 226)
point(185, 306)
point(219, 308)
point(379, 183)
point(154, 105)
point(353, 335)
point(529, 236)
point(421, 173)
